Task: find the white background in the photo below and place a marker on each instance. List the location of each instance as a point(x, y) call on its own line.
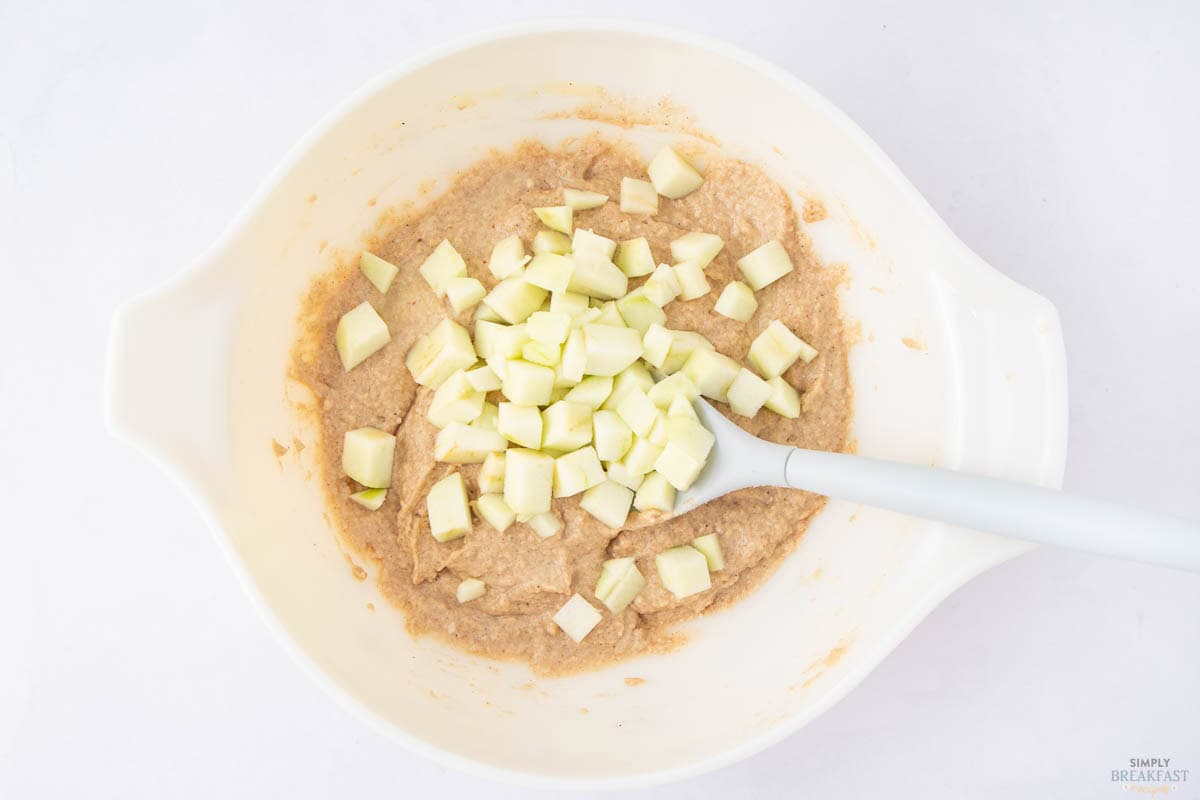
point(1059, 139)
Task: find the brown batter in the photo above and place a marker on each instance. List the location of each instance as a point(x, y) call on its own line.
point(528, 578)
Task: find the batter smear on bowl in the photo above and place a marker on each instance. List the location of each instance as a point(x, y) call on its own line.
point(512, 477)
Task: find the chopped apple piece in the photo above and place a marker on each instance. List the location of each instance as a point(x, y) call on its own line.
point(538, 353)
point(637, 411)
point(528, 481)
point(545, 525)
point(370, 499)
point(449, 512)
point(483, 379)
point(470, 589)
point(619, 473)
point(466, 444)
point(585, 242)
point(521, 425)
point(655, 494)
point(711, 372)
point(491, 474)
point(360, 333)
point(585, 317)
point(574, 359)
point(710, 548)
point(570, 303)
point(666, 390)
point(367, 457)
point(440, 353)
point(656, 344)
point(487, 333)
point(549, 271)
point(692, 282)
point(464, 293)
point(548, 327)
point(596, 276)
point(545, 241)
point(566, 426)
point(784, 399)
point(672, 176)
point(662, 286)
point(577, 618)
point(737, 301)
point(776, 349)
point(443, 264)
point(658, 431)
point(487, 418)
point(455, 401)
point(696, 246)
point(638, 197)
point(508, 257)
point(692, 437)
point(765, 265)
point(514, 299)
point(583, 200)
point(577, 471)
point(641, 457)
point(640, 312)
point(683, 571)
point(683, 344)
point(379, 272)
point(686, 452)
point(682, 407)
point(556, 218)
point(634, 376)
point(592, 391)
point(611, 435)
point(527, 384)
point(610, 349)
point(495, 511)
point(634, 257)
point(609, 315)
point(747, 393)
point(608, 502)
point(484, 313)
point(619, 583)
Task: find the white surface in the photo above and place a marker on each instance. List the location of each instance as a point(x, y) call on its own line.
point(1061, 146)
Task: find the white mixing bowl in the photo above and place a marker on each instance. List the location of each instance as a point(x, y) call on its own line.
point(956, 366)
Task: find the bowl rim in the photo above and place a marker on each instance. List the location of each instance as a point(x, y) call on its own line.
point(1056, 449)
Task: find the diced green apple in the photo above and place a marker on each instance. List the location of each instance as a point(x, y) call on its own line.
point(737, 301)
point(658, 431)
point(682, 407)
point(577, 618)
point(491, 474)
point(455, 401)
point(487, 418)
point(464, 293)
point(619, 473)
point(656, 344)
point(367, 457)
point(483, 379)
point(514, 299)
point(696, 246)
point(379, 272)
point(672, 176)
point(440, 353)
point(527, 384)
point(710, 548)
point(508, 257)
point(619, 583)
point(608, 502)
point(545, 525)
point(611, 435)
point(666, 390)
point(566, 426)
point(585, 317)
point(556, 218)
point(443, 264)
point(683, 344)
point(765, 265)
point(683, 571)
point(448, 509)
point(574, 359)
point(637, 411)
point(484, 313)
point(470, 589)
point(609, 315)
point(592, 391)
point(610, 349)
point(549, 271)
point(596, 276)
point(577, 471)
point(466, 444)
point(583, 200)
point(361, 332)
point(548, 327)
point(495, 511)
point(521, 425)
point(776, 349)
point(585, 242)
point(655, 494)
point(634, 376)
point(528, 481)
point(692, 437)
point(784, 399)
point(711, 372)
point(747, 393)
point(662, 286)
point(545, 241)
point(641, 457)
point(370, 499)
point(640, 312)
point(544, 355)
point(638, 197)
point(634, 257)
point(570, 303)
point(693, 284)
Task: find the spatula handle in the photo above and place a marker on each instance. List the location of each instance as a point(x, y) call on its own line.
point(996, 506)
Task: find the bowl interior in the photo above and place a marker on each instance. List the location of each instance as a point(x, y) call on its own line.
point(951, 368)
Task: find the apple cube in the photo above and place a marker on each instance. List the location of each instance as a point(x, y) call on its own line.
point(495, 511)
point(566, 426)
point(538, 353)
point(610, 349)
point(711, 372)
point(634, 376)
point(692, 282)
point(487, 418)
point(455, 401)
point(556, 218)
point(514, 299)
point(682, 407)
point(485, 313)
point(692, 437)
point(619, 473)
point(655, 494)
point(776, 349)
point(443, 264)
point(483, 379)
point(521, 425)
point(528, 481)
point(548, 327)
point(611, 435)
point(609, 315)
point(672, 176)
point(360, 333)
point(634, 257)
point(464, 293)
point(440, 353)
point(545, 525)
point(765, 265)
point(527, 384)
point(370, 499)
point(658, 431)
point(583, 200)
point(683, 344)
point(585, 317)
point(662, 286)
point(465, 444)
point(507, 258)
point(710, 548)
point(570, 303)
point(608, 502)
point(577, 471)
point(619, 583)
point(596, 276)
point(367, 457)
point(737, 301)
point(784, 399)
point(638, 197)
point(577, 618)
point(696, 246)
point(379, 272)
point(545, 241)
point(487, 333)
point(640, 312)
point(666, 390)
point(549, 271)
point(592, 391)
point(491, 474)
point(683, 571)
point(449, 512)
point(637, 411)
point(642, 456)
point(656, 344)
point(470, 589)
point(585, 242)
point(574, 360)
point(747, 393)
point(678, 466)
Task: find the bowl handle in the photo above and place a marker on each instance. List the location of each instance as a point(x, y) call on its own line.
point(168, 364)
